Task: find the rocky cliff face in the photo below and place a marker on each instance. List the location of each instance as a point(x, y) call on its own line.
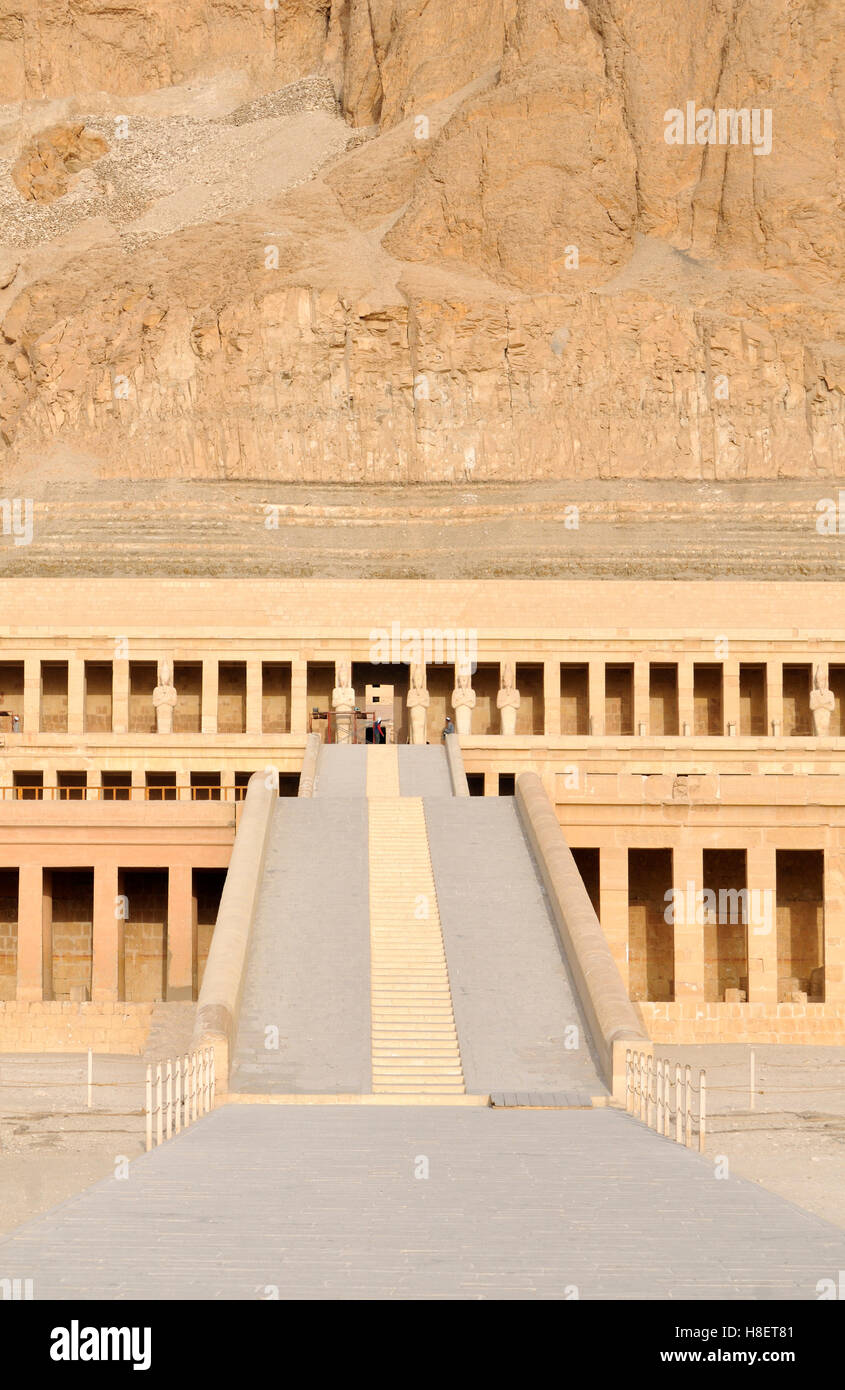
point(458, 248)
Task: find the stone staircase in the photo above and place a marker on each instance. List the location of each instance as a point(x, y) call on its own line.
point(414, 1041)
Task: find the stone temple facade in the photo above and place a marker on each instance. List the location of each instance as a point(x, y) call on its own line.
point(691, 737)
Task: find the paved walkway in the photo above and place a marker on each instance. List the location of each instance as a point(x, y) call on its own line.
point(515, 1007)
point(308, 965)
point(341, 770)
point(424, 770)
point(323, 1203)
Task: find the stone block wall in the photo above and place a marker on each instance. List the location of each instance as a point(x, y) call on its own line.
point(70, 1027)
point(688, 1023)
point(8, 932)
point(73, 918)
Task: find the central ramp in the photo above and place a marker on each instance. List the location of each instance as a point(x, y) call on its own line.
point(403, 945)
point(518, 1017)
point(304, 1022)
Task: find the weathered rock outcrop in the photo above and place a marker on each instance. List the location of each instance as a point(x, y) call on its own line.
point(511, 276)
point(45, 169)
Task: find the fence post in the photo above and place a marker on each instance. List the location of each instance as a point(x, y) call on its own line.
point(677, 1102)
point(688, 1105)
point(628, 1079)
point(213, 1079)
point(177, 1096)
point(193, 1086)
point(702, 1112)
point(168, 1128)
point(159, 1116)
point(149, 1108)
point(660, 1081)
point(751, 1080)
point(90, 1077)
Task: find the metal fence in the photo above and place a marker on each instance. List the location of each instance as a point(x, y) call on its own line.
point(178, 1092)
point(662, 1094)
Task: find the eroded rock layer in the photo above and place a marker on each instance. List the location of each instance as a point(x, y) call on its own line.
point(378, 241)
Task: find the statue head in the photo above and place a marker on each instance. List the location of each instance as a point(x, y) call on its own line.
point(418, 677)
point(507, 676)
point(464, 676)
point(164, 673)
point(820, 678)
point(343, 674)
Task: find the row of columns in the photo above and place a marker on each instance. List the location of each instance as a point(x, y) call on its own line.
point(761, 876)
point(35, 933)
point(686, 692)
point(120, 695)
point(299, 701)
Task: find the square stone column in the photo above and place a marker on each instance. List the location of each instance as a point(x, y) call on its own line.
point(180, 933)
point(75, 695)
point(688, 871)
point(730, 694)
point(33, 903)
point(299, 697)
point(254, 696)
point(595, 696)
point(139, 784)
point(491, 784)
point(94, 779)
point(120, 696)
point(31, 722)
point(641, 695)
point(834, 926)
point(108, 935)
point(762, 925)
point(551, 698)
point(183, 784)
point(686, 694)
point(210, 684)
point(613, 903)
point(774, 696)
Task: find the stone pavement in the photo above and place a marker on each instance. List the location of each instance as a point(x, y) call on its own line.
point(424, 770)
point(322, 1202)
point(511, 993)
point(308, 965)
point(341, 770)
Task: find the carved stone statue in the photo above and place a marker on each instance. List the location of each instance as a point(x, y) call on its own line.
point(463, 701)
point(418, 702)
point(507, 700)
point(822, 703)
point(343, 703)
point(164, 698)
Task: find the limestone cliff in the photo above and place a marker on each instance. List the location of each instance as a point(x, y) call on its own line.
point(385, 240)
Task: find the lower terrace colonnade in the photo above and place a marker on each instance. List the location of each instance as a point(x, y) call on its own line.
point(106, 933)
point(689, 925)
